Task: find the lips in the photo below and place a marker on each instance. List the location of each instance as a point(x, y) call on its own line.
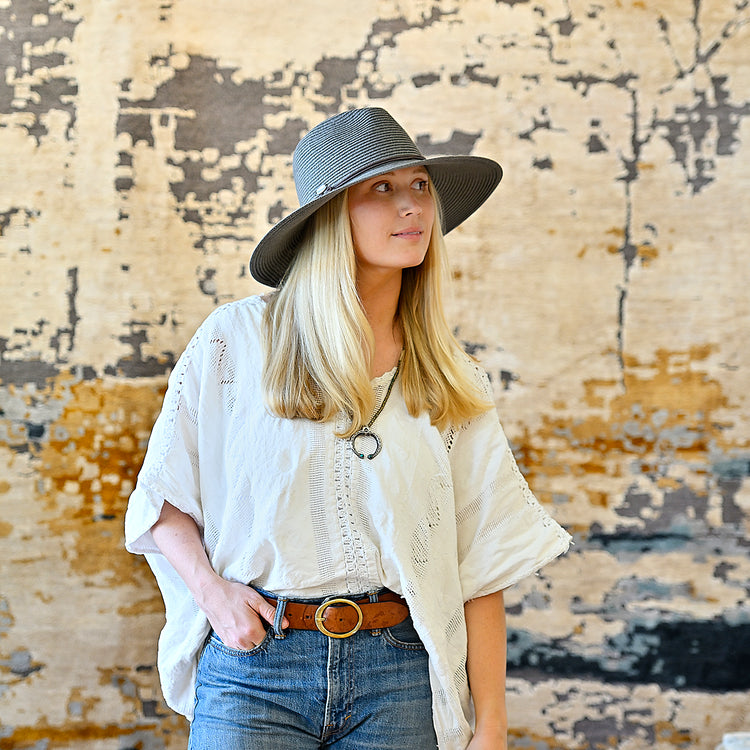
point(412, 232)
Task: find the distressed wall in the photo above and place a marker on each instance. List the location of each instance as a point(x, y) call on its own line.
point(145, 147)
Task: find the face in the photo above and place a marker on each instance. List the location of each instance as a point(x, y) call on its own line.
point(391, 218)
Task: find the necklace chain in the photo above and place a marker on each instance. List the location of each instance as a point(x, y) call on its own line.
point(366, 431)
point(387, 393)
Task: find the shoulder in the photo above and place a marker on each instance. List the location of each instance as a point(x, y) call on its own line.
point(239, 312)
point(237, 320)
point(233, 326)
point(226, 346)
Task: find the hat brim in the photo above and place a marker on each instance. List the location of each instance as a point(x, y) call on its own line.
point(463, 184)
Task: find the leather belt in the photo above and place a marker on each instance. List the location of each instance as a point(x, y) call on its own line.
point(338, 617)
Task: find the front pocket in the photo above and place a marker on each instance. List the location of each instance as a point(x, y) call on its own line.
point(217, 644)
point(404, 636)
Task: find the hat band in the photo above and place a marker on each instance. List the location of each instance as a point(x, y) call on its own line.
point(324, 188)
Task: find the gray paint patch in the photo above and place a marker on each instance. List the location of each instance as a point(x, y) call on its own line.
point(36, 80)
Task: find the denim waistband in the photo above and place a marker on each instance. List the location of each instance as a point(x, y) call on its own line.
point(372, 595)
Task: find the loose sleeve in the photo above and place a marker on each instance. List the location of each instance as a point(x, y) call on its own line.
point(170, 470)
point(504, 534)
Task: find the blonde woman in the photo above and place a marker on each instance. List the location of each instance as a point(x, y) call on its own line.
point(328, 502)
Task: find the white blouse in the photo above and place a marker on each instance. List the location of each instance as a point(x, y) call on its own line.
point(284, 504)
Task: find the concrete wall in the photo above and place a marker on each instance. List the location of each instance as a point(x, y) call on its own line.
point(145, 147)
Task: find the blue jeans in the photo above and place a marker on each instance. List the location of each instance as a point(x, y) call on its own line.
point(370, 691)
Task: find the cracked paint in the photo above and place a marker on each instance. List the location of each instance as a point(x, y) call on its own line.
point(145, 150)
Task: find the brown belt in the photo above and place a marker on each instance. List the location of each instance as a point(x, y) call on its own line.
point(340, 618)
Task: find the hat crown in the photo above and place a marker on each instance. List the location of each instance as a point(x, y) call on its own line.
point(339, 150)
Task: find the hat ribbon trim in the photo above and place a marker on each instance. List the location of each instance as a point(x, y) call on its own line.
point(325, 188)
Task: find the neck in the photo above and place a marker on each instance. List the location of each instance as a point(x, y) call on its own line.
point(379, 297)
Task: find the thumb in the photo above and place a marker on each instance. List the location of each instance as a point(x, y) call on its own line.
point(265, 609)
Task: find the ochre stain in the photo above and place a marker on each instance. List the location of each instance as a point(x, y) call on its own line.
point(665, 731)
point(63, 736)
point(647, 254)
point(538, 741)
point(667, 483)
point(13, 678)
point(619, 233)
point(664, 407)
point(142, 607)
point(7, 620)
point(89, 465)
point(598, 498)
point(171, 728)
point(84, 705)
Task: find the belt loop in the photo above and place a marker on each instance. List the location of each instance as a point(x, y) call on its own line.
point(373, 596)
point(280, 609)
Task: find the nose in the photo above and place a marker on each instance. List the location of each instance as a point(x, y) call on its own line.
point(408, 204)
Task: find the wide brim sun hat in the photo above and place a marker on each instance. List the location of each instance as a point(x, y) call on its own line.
point(355, 146)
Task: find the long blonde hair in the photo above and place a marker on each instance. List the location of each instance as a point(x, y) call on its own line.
point(319, 344)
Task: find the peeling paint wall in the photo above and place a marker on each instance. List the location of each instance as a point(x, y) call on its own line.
point(144, 149)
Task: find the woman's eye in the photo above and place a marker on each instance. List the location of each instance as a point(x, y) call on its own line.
point(421, 185)
point(382, 187)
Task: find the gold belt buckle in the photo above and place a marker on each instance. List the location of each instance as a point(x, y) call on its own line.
point(320, 612)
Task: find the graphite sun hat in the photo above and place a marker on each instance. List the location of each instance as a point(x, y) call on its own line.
point(355, 146)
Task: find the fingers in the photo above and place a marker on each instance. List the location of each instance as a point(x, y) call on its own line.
point(265, 609)
point(240, 616)
point(252, 631)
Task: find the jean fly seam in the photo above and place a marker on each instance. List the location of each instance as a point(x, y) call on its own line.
point(327, 716)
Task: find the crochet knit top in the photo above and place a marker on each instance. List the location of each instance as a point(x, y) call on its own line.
point(284, 504)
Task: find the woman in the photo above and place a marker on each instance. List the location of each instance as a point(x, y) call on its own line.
point(328, 501)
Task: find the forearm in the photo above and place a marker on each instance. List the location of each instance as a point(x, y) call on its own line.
point(179, 539)
point(486, 666)
point(234, 610)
